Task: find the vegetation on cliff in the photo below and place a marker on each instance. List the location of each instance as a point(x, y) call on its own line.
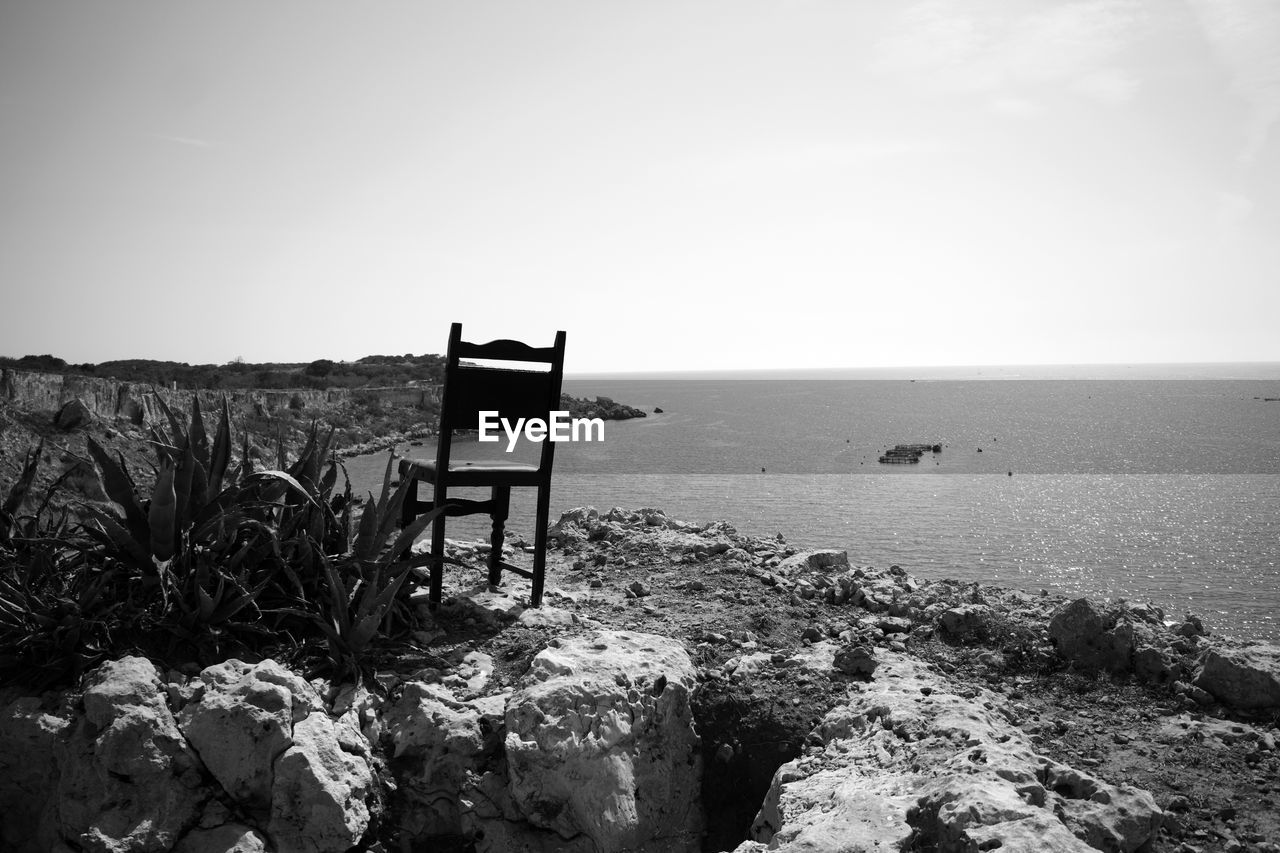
point(216, 557)
point(192, 543)
point(370, 371)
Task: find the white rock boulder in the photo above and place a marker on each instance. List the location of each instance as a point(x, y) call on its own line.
point(265, 736)
point(824, 560)
point(323, 783)
point(1247, 677)
point(433, 741)
point(127, 780)
point(600, 743)
point(241, 718)
point(908, 763)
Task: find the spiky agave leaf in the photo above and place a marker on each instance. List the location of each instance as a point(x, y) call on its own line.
point(196, 435)
point(176, 425)
point(120, 489)
point(246, 460)
point(118, 540)
point(183, 485)
point(411, 531)
point(282, 458)
point(220, 455)
point(366, 544)
point(326, 447)
point(18, 493)
point(391, 514)
point(329, 480)
point(162, 515)
point(386, 482)
point(278, 483)
point(307, 466)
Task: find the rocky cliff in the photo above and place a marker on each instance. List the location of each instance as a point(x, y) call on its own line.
point(110, 398)
point(684, 688)
point(63, 411)
point(604, 408)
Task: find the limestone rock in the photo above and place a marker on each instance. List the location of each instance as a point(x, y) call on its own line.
point(829, 559)
point(600, 742)
point(131, 404)
point(907, 763)
point(966, 621)
point(128, 781)
point(263, 733)
point(894, 625)
point(1155, 665)
point(1093, 637)
point(228, 838)
point(855, 660)
point(1191, 626)
point(323, 781)
point(1247, 677)
point(72, 415)
point(240, 719)
point(27, 737)
point(434, 741)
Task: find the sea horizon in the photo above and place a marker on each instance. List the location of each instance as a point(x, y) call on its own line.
point(1255, 370)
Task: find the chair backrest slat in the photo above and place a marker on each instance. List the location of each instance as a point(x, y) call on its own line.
point(505, 350)
point(512, 393)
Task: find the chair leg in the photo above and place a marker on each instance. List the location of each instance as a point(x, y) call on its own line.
point(437, 552)
point(540, 545)
point(501, 498)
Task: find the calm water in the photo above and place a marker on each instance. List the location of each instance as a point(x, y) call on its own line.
point(1167, 491)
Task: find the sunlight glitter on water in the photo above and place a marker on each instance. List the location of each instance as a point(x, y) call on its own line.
point(1200, 542)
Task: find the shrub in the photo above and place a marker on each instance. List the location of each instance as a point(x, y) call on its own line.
point(215, 559)
point(321, 367)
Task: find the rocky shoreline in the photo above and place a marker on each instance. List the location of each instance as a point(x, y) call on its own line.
point(604, 408)
point(683, 688)
point(63, 411)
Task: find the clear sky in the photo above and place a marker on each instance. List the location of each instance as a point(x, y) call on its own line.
point(679, 185)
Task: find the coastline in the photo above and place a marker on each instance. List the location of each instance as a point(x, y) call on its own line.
point(799, 675)
point(1085, 538)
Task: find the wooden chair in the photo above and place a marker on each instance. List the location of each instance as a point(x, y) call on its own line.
point(513, 393)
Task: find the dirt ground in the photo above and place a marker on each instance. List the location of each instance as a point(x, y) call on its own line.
point(1217, 787)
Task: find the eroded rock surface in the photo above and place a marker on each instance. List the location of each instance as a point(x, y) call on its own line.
point(323, 781)
point(127, 779)
point(600, 743)
point(434, 741)
point(909, 762)
point(28, 777)
point(1246, 677)
point(241, 719)
point(956, 726)
point(264, 735)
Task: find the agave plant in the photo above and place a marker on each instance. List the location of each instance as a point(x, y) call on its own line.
point(209, 538)
point(55, 604)
point(363, 585)
point(16, 527)
point(212, 557)
point(55, 618)
point(186, 500)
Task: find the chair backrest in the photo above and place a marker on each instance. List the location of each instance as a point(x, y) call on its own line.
point(513, 393)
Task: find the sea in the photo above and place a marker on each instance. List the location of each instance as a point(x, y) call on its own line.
point(1120, 484)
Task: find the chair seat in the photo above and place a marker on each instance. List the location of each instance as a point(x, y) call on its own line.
point(478, 472)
